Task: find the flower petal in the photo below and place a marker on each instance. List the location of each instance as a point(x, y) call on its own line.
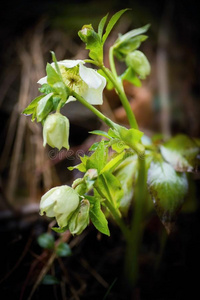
point(43, 80)
point(94, 96)
point(91, 77)
point(68, 63)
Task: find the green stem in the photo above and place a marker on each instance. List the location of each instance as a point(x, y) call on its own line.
point(133, 244)
point(93, 109)
point(120, 90)
point(112, 63)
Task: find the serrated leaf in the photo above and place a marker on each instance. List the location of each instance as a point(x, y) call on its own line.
point(97, 216)
point(98, 159)
point(50, 280)
point(46, 241)
point(63, 250)
point(168, 189)
point(110, 188)
point(32, 106)
point(44, 107)
point(101, 26)
point(182, 153)
point(112, 22)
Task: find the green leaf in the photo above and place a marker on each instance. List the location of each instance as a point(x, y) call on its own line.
point(110, 188)
point(50, 280)
point(59, 230)
point(182, 153)
point(131, 77)
point(127, 173)
point(101, 26)
point(100, 132)
point(46, 89)
point(98, 159)
point(82, 166)
point(52, 75)
point(44, 107)
point(97, 216)
point(168, 189)
point(46, 241)
point(32, 106)
point(63, 250)
point(112, 22)
point(113, 163)
point(130, 35)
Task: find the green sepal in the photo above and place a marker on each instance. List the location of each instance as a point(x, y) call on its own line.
point(168, 189)
point(97, 216)
point(59, 230)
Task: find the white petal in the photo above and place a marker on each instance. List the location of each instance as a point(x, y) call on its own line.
point(69, 63)
point(91, 77)
point(94, 96)
point(43, 80)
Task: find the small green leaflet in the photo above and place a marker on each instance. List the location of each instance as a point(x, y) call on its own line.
point(112, 22)
point(131, 77)
point(182, 153)
point(101, 26)
point(97, 216)
point(98, 159)
point(63, 250)
point(100, 132)
point(168, 189)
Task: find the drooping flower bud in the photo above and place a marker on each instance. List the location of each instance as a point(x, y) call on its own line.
point(80, 218)
point(56, 131)
point(139, 63)
point(60, 202)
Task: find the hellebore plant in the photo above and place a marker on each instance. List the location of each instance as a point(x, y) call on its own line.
point(139, 169)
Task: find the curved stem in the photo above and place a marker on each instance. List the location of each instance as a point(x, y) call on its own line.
point(93, 109)
point(112, 63)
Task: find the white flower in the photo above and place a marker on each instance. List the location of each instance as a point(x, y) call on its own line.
point(59, 202)
point(86, 82)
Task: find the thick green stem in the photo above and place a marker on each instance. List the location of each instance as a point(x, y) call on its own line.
point(133, 244)
point(120, 90)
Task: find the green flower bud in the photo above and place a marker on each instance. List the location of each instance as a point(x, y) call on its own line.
point(139, 63)
point(80, 218)
point(56, 131)
point(59, 202)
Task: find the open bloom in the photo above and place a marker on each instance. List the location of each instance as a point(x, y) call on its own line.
point(86, 82)
point(56, 131)
point(60, 202)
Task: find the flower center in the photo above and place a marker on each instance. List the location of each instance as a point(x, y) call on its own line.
point(72, 79)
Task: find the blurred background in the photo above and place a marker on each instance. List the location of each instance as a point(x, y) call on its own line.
point(167, 103)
